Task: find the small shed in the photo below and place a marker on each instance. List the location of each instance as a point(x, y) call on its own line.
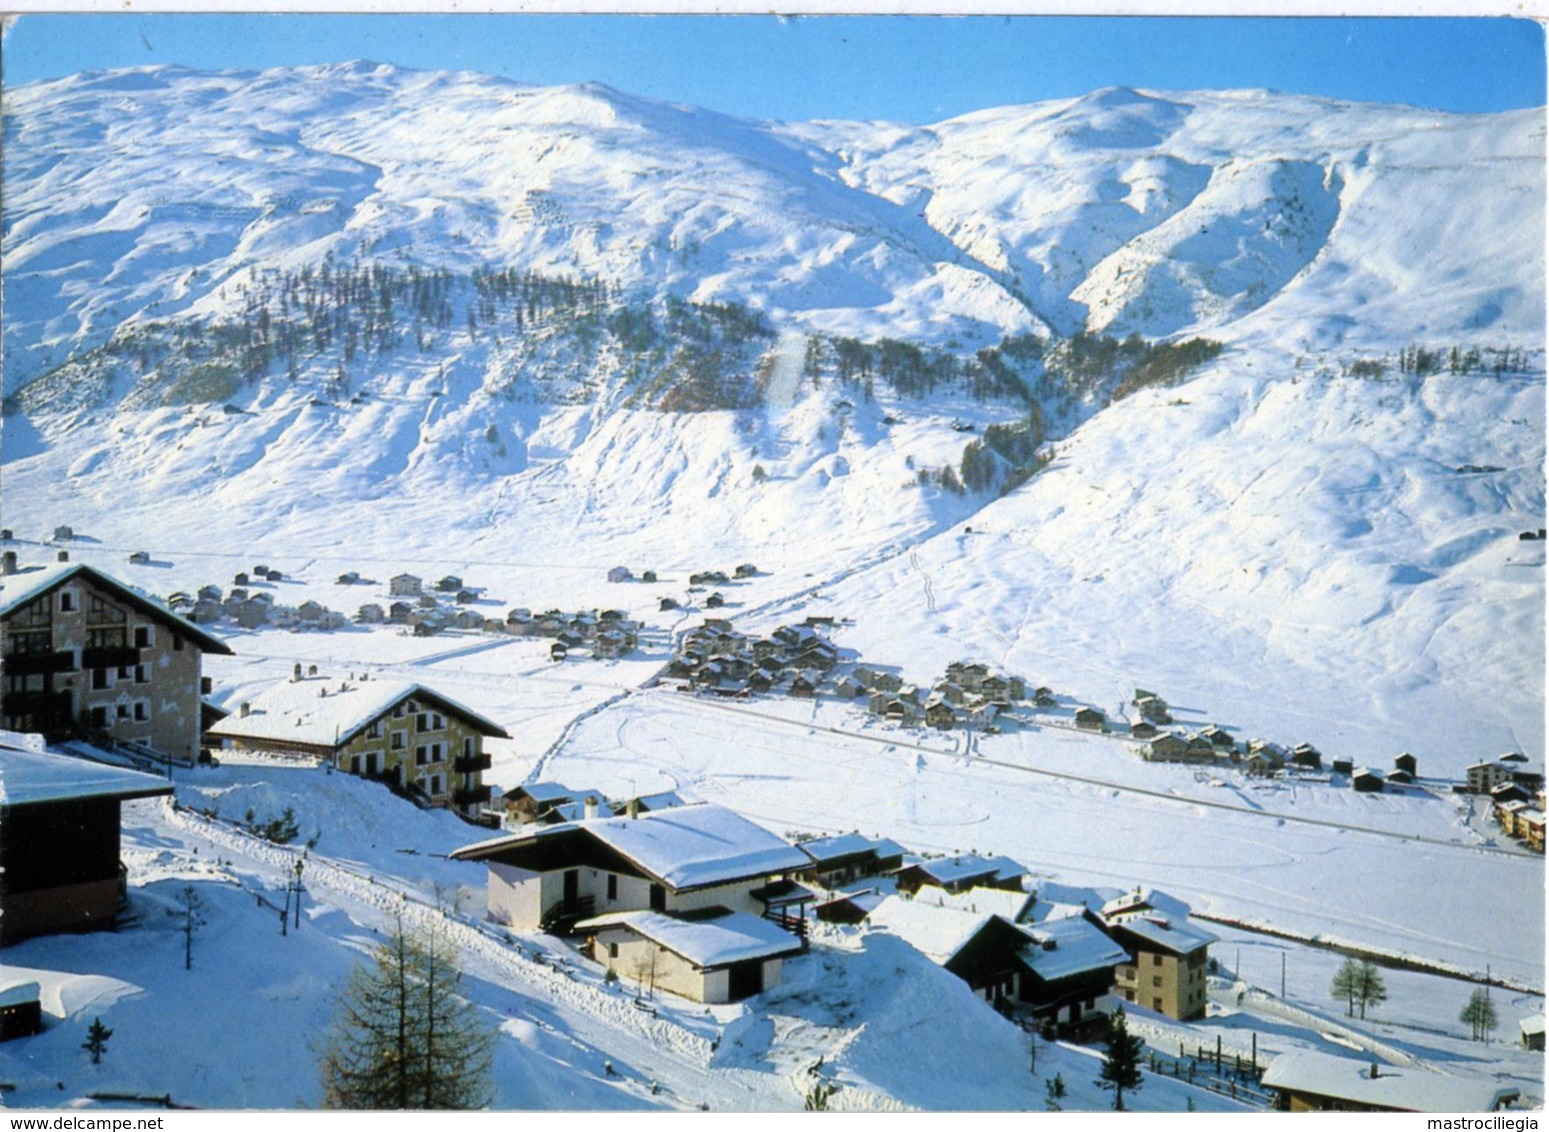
point(1532, 1032)
point(21, 1010)
point(620, 574)
point(140, 558)
point(1343, 766)
point(1090, 719)
point(1407, 763)
point(63, 534)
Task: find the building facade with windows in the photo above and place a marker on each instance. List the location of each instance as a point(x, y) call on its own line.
point(415, 739)
point(87, 657)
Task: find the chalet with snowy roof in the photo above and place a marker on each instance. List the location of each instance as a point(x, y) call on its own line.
point(1532, 1031)
point(1530, 829)
point(1308, 1081)
point(711, 955)
point(1343, 766)
point(59, 839)
point(1090, 719)
point(1218, 737)
point(370, 614)
point(939, 714)
point(405, 585)
point(960, 873)
point(86, 656)
point(417, 740)
point(671, 861)
point(1168, 956)
point(839, 860)
point(1069, 967)
point(1365, 780)
point(533, 800)
point(1408, 763)
point(982, 949)
point(1166, 748)
point(1142, 729)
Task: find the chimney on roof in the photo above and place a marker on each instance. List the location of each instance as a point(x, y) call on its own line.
point(8, 563)
point(633, 808)
point(64, 556)
point(206, 685)
point(591, 807)
point(243, 709)
point(1374, 1071)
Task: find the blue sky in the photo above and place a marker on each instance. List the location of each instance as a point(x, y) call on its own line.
point(906, 68)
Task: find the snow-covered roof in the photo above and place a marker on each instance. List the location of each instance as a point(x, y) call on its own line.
point(825, 849)
point(31, 582)
point(1533, 1024)
point(684, 846)
point(543, 791)
point(948, 870)
point(1078, 946)
point(31, 776)
point(662, 800)
point(708, 943)
point(1174, 935)
point(1401, 1089)
point(929, 928)
point(297, 711)
point(1012, 906)
point(15, 993)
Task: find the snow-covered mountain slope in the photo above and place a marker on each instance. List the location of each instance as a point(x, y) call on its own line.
point(1286, 540)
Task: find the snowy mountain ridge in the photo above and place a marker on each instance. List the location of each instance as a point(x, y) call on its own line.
point(592, 328)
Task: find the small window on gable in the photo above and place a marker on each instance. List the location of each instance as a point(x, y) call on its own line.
point(142, 636)
point(67, 601)
point(177, 643)
point(613, 887)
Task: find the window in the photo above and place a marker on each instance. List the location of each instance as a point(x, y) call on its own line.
point(99, 679)
point(123, 711)
point(468, 751)
point(140, 675)
point(398, 711)
point(1156, 1004)
point(1156, 960)
point(420, 756)
point(1129, 996)
point(613, 951)
point(99, 717)
point(177, 644)
point(397, 742)
point(613, 887)
point(374, 730)
point(435, 785)
point(142, 711)
point(1156, 980)
point(142, 636)
point(67, 601)
point(123, 672)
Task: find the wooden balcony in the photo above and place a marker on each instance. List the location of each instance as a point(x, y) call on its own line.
point(39, 664)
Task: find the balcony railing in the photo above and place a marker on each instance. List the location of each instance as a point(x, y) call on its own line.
point(39, 664)
point(111, 657)
point(470, 764)
point(470, 796)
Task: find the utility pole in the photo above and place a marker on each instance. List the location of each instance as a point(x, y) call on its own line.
point(1282, 976)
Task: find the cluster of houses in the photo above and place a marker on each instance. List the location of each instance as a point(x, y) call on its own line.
point(799, 660)
point(700, 901)
point(1516, 793)
point(717, 659)
point(252, 608)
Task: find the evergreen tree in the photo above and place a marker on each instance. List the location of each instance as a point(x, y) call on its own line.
point(1480, 1015)
point(96, 1042)
point(1054, 1093)
point(402, 1037)
point(1121, 1064)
